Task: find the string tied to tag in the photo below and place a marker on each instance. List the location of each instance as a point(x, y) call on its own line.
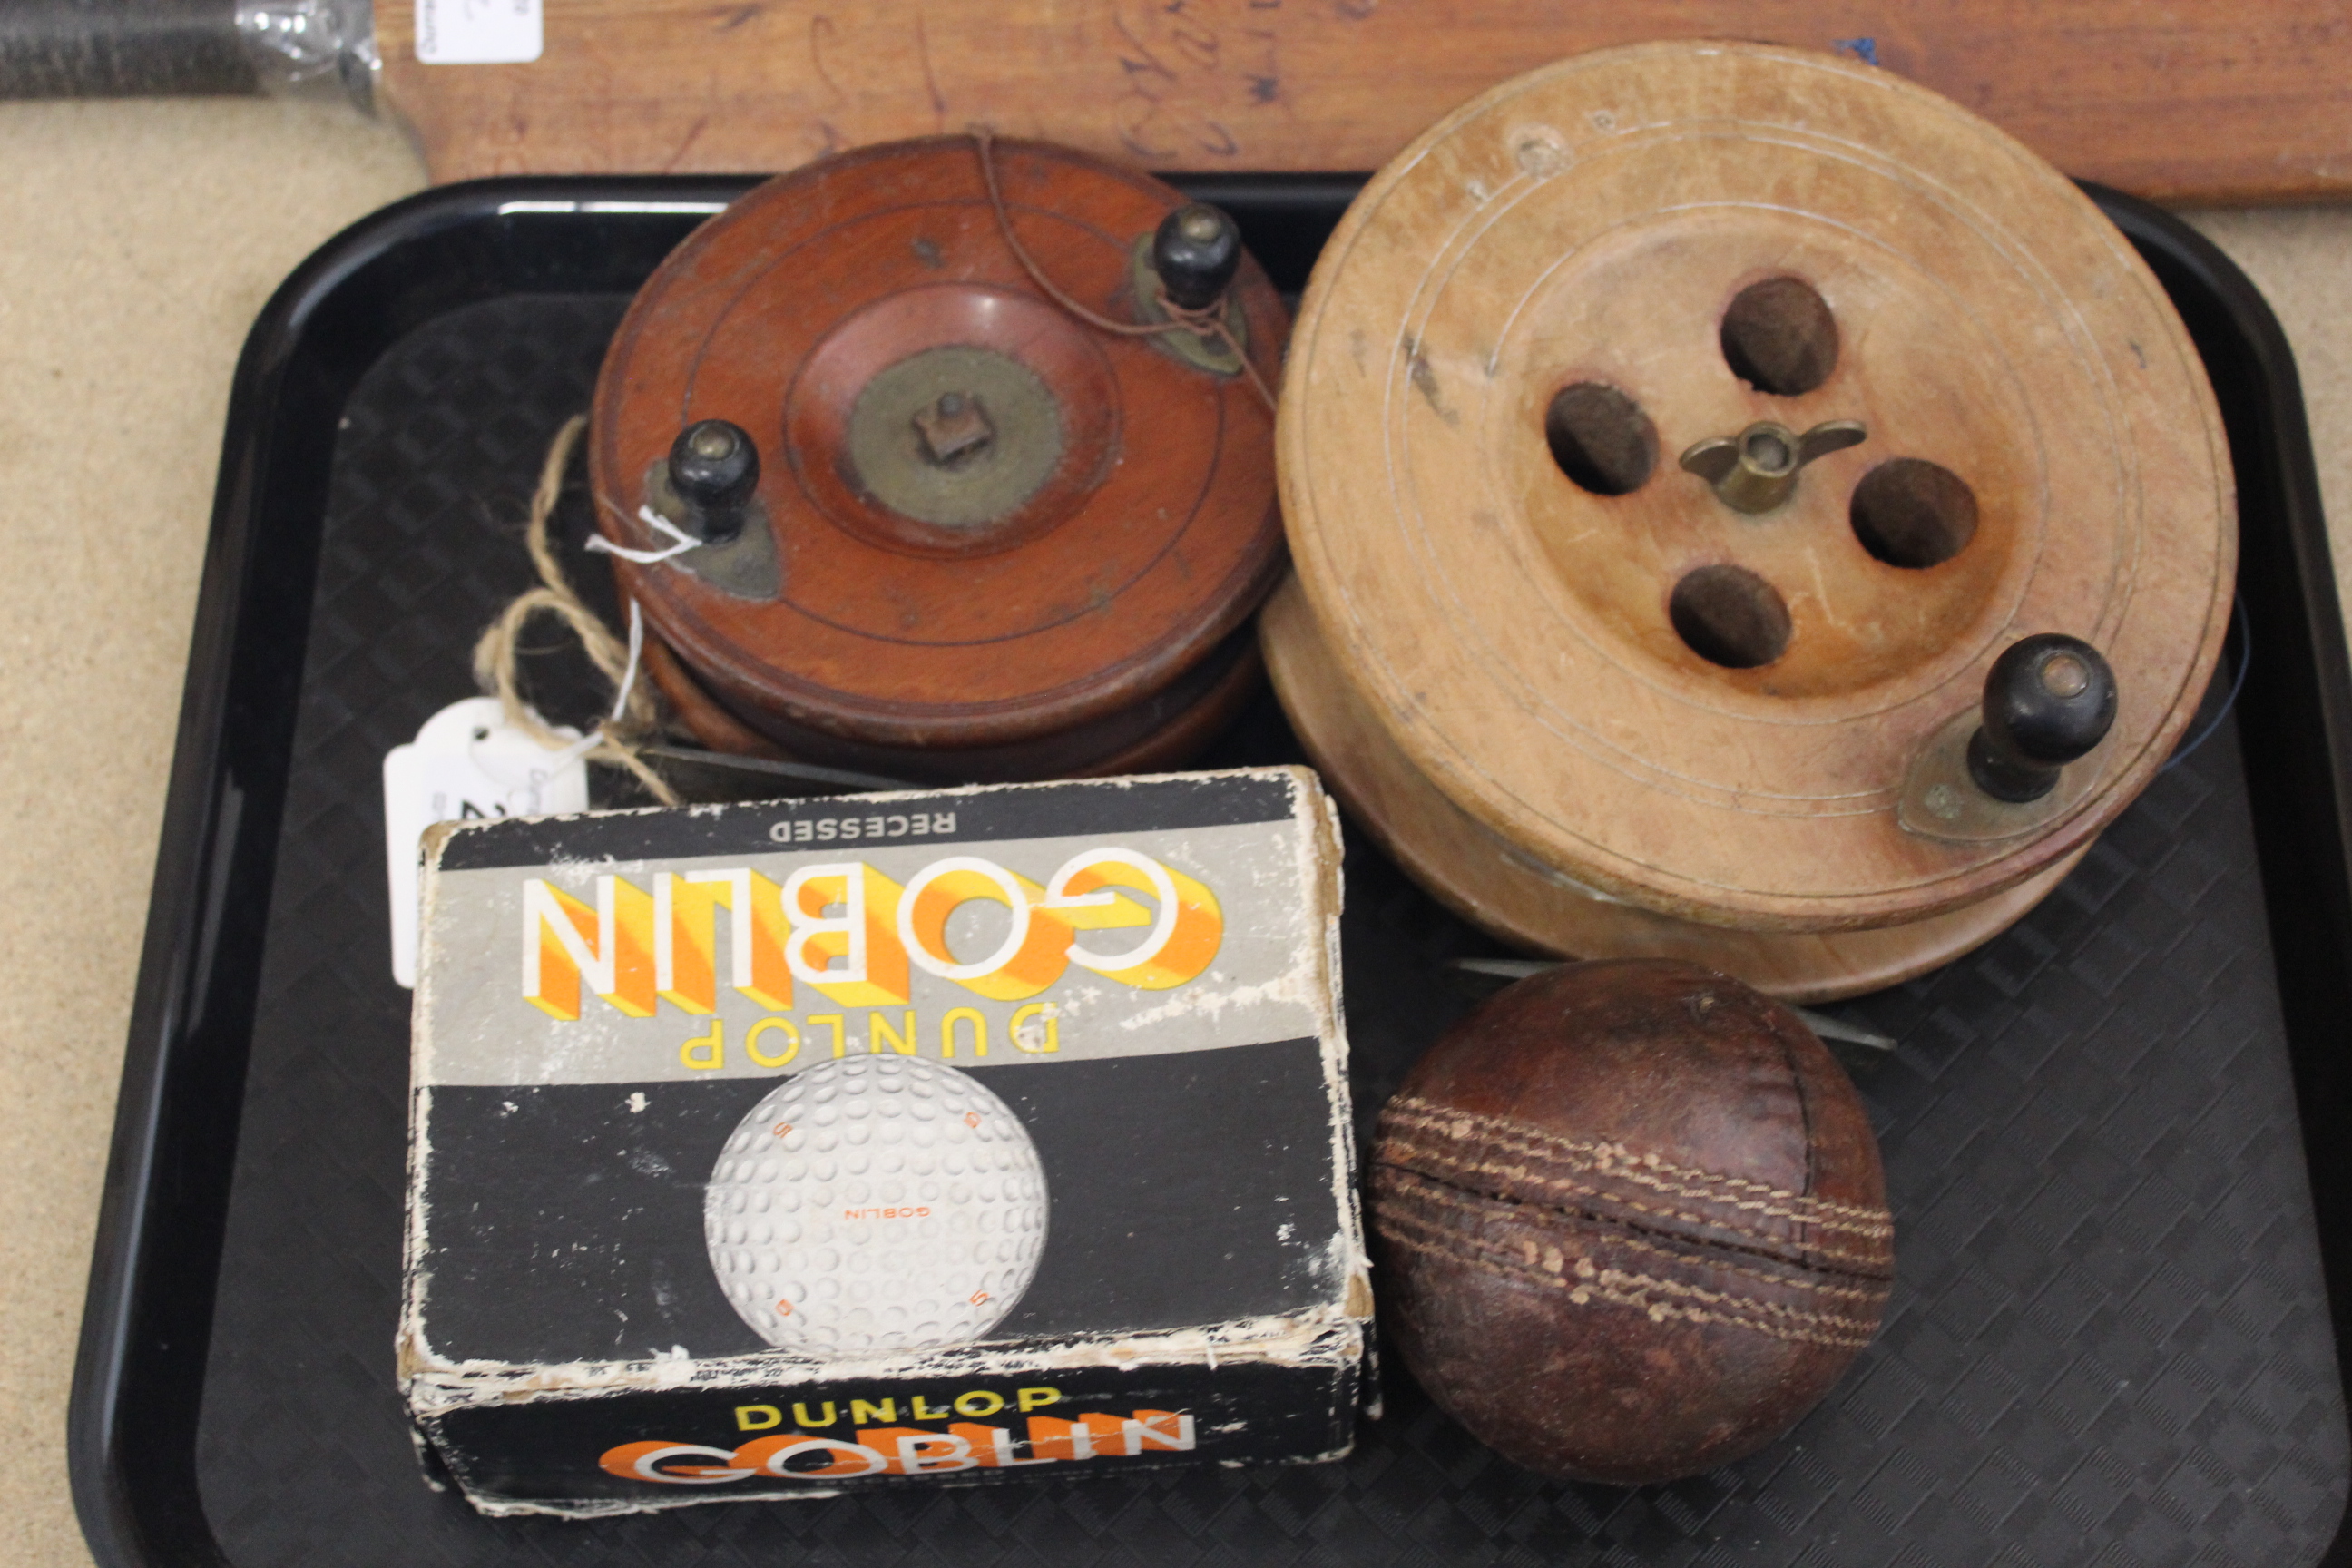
point(634, 719)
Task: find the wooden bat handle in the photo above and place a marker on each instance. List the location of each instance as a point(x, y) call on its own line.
point(122, 48)
point(179, 48)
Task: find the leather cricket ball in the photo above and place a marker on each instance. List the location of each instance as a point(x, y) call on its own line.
point(1632, 1221)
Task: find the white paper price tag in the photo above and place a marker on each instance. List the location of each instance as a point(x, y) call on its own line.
point(479, 32)
point(466, 762)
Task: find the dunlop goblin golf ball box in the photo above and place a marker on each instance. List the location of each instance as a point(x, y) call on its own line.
point(774, 1150)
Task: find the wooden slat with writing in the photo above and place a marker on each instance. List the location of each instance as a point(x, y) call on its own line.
point(2182, 101)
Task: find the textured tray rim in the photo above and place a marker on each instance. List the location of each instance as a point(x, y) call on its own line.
point(139, 1376)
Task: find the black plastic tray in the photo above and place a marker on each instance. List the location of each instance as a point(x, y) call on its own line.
point(2111, 1338)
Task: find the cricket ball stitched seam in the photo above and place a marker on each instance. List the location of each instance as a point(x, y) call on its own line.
point(1609, 1286)
point(1611, 1159)
point(1413, 1187)
point(1406, 1155)
point(1876, 1293)
point(1589, 1274)
point(1606, 1158)
point(1802, 1211)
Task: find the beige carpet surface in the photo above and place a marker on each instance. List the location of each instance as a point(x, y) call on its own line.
point(138, 241)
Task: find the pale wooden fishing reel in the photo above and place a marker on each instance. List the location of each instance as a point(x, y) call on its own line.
point(1746, 509)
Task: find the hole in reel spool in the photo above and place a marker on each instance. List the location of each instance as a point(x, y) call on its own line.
point(1728, 615)
point(1601, 439)
point(1779, 337)
point(1912, 514)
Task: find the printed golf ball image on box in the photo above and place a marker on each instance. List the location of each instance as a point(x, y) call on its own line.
point(876, 1204)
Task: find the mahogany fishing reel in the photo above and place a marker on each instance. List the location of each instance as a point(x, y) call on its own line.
point(943, 460)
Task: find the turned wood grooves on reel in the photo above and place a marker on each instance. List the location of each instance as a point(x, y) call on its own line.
point(1674, 440)
point(986, 539)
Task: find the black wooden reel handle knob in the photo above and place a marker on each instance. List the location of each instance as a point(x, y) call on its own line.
point(2048, 699)
point(1196, 251)
point(714, 468)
